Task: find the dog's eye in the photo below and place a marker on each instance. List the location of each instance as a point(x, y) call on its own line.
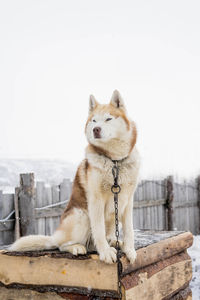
point(93, 120)
point(108, 119)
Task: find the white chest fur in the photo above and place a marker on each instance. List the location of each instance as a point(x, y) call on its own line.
point(128, 169)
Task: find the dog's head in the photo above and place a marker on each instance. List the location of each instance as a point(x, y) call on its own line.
point(109, 122)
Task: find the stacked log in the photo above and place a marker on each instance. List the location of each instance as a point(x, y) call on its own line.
point(162, 270)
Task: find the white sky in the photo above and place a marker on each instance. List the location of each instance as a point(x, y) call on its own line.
point(53, 54)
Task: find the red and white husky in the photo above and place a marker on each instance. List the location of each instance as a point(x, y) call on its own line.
point(111, 136)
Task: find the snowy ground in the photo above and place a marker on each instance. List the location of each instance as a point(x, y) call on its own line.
point(194, 252)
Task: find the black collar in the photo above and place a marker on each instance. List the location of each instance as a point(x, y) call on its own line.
point(118, 160)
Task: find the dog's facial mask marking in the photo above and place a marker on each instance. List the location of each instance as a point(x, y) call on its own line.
point(103, 127)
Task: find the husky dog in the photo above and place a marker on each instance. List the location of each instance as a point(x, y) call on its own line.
point(111, 136)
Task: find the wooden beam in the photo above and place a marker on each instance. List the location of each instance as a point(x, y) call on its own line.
point(49, 212)
point(186, 204)
point(183, 294)
point(158, 251)
point(148, 203)
point(159, 281)
point(61, 272)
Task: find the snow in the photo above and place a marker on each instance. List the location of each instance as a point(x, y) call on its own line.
point(194, 253)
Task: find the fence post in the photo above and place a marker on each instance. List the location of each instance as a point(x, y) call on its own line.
point(1, 217)
point(198, 189)
point(16, 205)
point(26, 204)
point(169, 202)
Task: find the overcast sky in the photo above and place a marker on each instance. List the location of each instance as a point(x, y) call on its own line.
point(53, 54)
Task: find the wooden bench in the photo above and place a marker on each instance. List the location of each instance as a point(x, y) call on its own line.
point(162, 270)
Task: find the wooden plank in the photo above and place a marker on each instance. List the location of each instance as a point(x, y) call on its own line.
point(196, 212)
point(137, 217)
point(145, 221)
point(159, 208)
point(193, 219)
point(155, 196)
point(135, 212)
point(65, 189)
point(148, 217)
point(186, 212)
point(8, 207)
point(155, 192)
point(26, 204)
point(55, 199)
point(161, 211)
point(40, 202)
point(141, 212)
point(48, 220)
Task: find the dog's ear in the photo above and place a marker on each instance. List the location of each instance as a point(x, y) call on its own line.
point(92, 103)
point(117, 101)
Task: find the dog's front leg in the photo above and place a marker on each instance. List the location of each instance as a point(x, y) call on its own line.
point(128, 232)
point(97, 221)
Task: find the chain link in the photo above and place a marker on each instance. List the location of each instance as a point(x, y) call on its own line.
point(115, 189)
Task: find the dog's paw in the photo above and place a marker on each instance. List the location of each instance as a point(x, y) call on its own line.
point(112, 243)
point(131, 254)
point(108, 255)
point(75, 249)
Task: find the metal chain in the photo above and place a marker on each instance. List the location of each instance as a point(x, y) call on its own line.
point(116, 190)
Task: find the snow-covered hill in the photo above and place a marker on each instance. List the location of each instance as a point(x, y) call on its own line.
point(49, 171)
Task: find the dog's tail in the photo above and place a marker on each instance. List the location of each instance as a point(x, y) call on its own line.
point(33, 242)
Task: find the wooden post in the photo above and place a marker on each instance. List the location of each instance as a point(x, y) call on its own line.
point(1, 217)
point(169, 202)
point(198, 189)
point(16, 205)
point(26, 204)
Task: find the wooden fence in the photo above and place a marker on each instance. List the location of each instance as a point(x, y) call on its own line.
point(35, 208)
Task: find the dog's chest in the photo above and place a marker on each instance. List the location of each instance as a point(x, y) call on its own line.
point(126, 175)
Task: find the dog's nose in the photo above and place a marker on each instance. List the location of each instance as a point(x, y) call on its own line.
point(97, 130)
